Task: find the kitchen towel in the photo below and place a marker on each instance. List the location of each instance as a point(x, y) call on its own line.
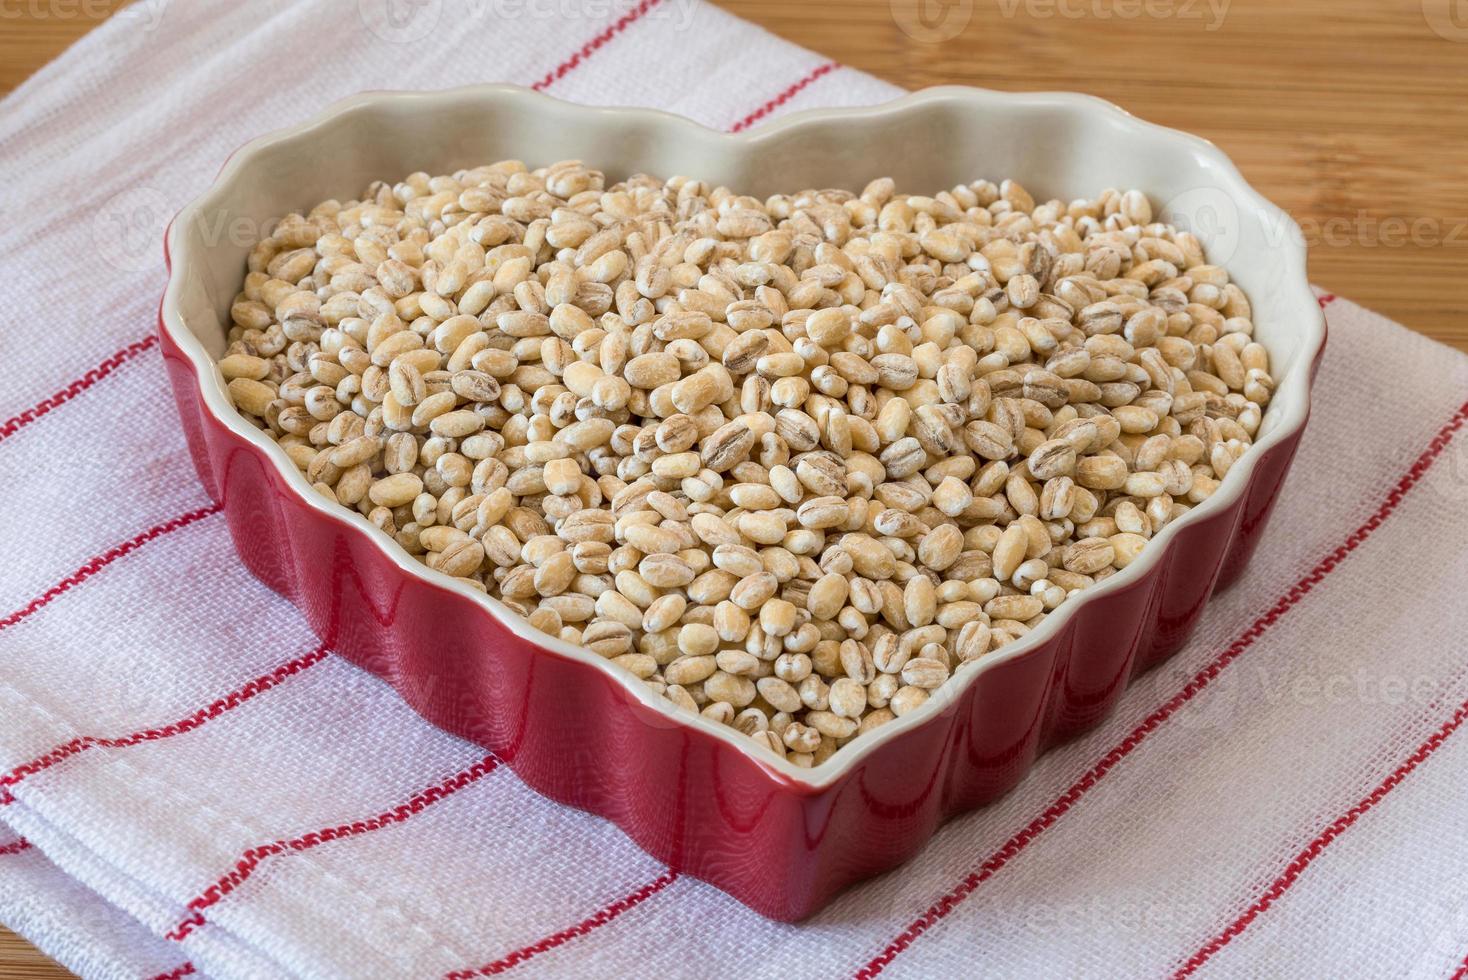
point(189, 784)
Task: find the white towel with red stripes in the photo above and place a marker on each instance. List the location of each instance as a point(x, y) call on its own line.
point(190, 785)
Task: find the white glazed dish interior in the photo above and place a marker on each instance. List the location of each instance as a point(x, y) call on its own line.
point(1057, 144)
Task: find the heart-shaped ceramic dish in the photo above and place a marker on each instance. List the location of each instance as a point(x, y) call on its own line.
point(580, 730)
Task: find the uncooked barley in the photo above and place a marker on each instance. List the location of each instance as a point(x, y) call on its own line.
point(792, 462)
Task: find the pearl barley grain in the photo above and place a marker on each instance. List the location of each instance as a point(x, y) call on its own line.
point(791, 462)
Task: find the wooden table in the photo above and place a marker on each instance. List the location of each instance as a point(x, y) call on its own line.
point(1348, 113)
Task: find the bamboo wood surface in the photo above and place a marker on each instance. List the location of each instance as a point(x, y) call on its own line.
point(1351, 114)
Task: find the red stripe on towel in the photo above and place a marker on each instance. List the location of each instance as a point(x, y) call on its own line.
point(1321, 841)
point(783, 97)
point(183, 971)
point(15, 847)
point(99, 562)
point(590, 47)
point(598, 919)
point(251, 859)
point(227, 703)
point(14, 424)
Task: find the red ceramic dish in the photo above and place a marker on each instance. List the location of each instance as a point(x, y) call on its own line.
point(703, 799)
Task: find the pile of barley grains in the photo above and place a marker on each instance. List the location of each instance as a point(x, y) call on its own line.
point(790, 462)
